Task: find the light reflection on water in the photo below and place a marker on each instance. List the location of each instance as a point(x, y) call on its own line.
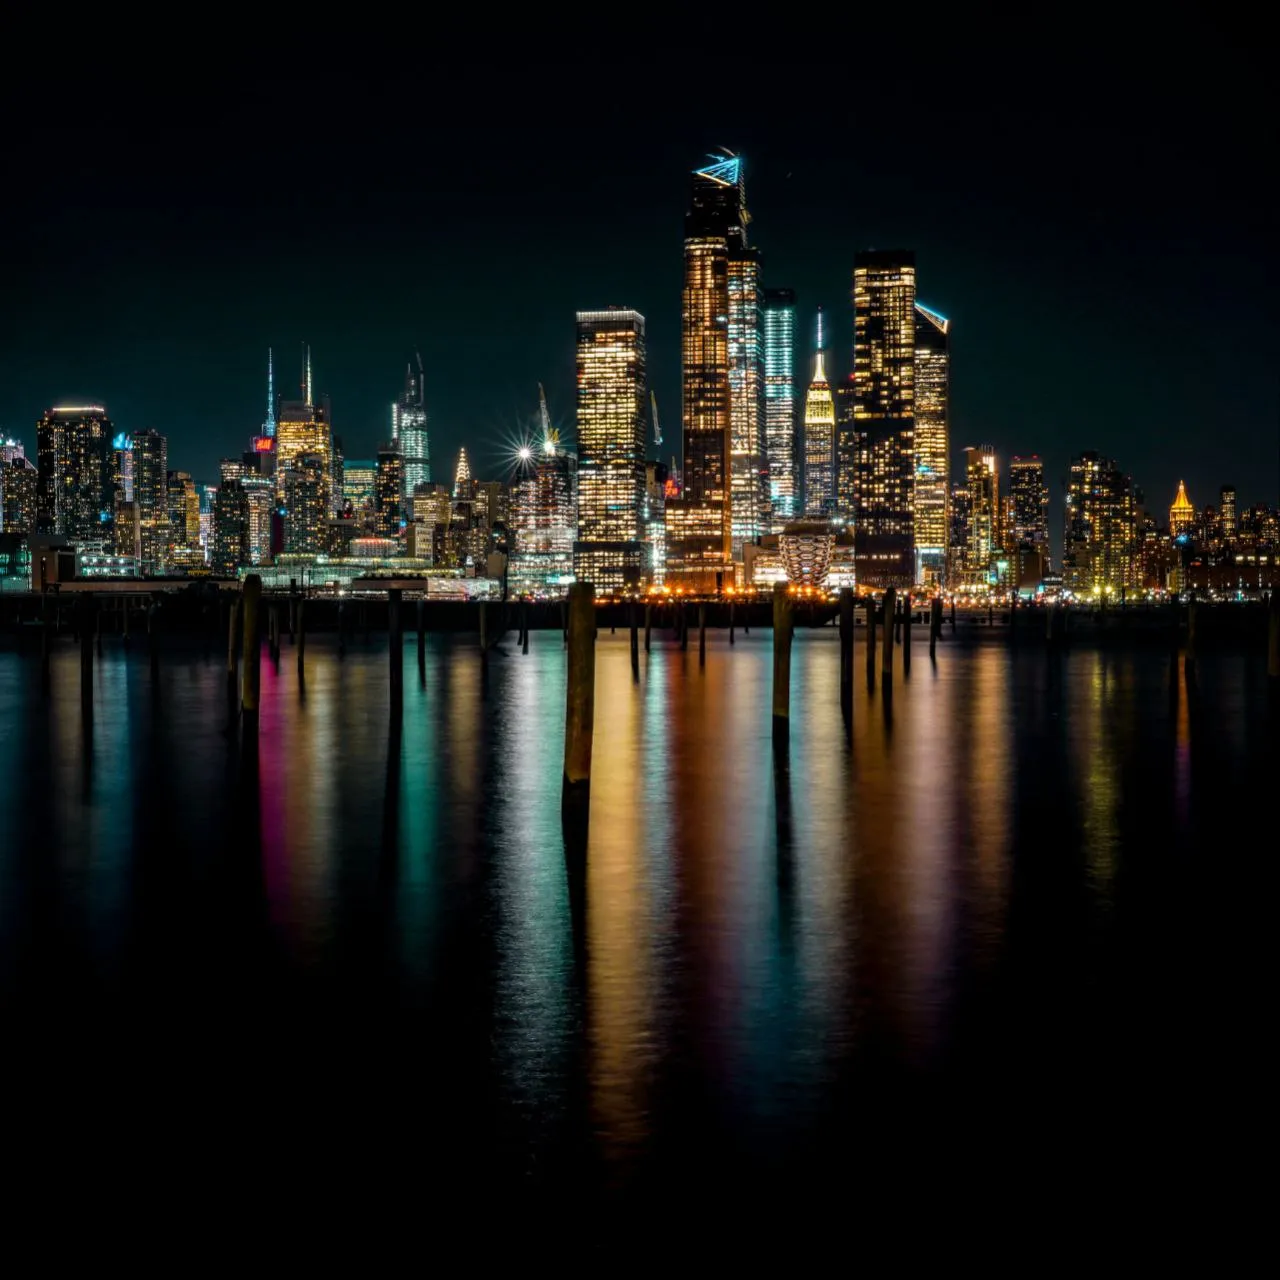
point(760, 923)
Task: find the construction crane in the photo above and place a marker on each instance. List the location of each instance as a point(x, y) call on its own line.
point(657, 427)
point(550, 436)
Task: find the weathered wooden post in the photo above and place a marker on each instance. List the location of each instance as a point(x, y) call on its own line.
point(251, 647)
point(648, 623)
point(935, 626)
point(871, 642)
point(524, 625)
point(635, 640)
point(484, 631)
point(953, 617)
point(301, 634)
point(782, 622)
point(702, 635)
point(906, 635)
point(580, 689)
point(886, 655)
point(1273, 635)
point(846, 651)
point(395, 643)
point(84, 623)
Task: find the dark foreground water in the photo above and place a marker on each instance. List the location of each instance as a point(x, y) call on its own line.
point(1001, 934)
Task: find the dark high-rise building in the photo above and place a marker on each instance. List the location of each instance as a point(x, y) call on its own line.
point(230, 529)
point(1101, 544)
point(389, 490)
point(151, 488)
point(700, 520)
point(653, 522)
point(960, 526)
point(1227, 512)
point(17, 489)
point(611, 417)
point(884, 319)
point(409, 430)
point(932, 443)
point(1030, 497)
point(846, 451)
point(73, 465)
point(780, 420)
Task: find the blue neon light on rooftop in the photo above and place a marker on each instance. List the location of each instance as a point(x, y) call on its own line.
point(122, 441)
point(936, 316)
point(722, 169)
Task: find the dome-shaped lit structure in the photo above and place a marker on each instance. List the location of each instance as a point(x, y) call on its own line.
point(806, 552)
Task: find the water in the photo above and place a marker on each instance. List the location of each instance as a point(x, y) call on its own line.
point(1006, 917)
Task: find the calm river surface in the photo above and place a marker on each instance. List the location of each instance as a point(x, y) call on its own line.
point(1005, 921)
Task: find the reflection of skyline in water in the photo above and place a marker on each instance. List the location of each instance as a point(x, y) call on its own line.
point(761, 923)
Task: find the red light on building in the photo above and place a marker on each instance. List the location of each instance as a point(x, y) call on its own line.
point(264, 444)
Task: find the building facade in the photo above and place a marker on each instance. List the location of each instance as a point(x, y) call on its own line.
point(780, 420)
point(700, 520)
point(306, 503)
point(982, 478)
point(409, 430)
point(748, 468)
point(1182, 514)
point(151, 488)
point(932, 444)
point(73, 473)
point(1101, 551)
point(884, 296)
point(612, 395)
point(389, 490)
point(819, 440)
point(1030, 497)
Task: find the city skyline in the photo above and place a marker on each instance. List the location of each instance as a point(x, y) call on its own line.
point(1058, 242)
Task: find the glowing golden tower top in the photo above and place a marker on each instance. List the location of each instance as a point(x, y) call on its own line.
point(1182, 514)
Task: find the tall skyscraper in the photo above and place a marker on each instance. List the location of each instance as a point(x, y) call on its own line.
point(269, 423)
point(359, 486)
point(983, 478)
point(780, 404)
point(184, 512)
point(746, 396)
point(304, 427)
point(73, 465)
point(230, 529)
point(700, 520)
point(306, 503)
point(932, 443)
point(819, 440)
point(846, 450)
point(17, 489)
point(1101, 544)
point(409, 430)
point(1182, 514)
point(389, 490)
point(151, 484)
point(1030, 497)
point(884, 296)
point(259, 507)
point(544, 516)
point(1227, 512)
point(462, 477)
point(611, 418)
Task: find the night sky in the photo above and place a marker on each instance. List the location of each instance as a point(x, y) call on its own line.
point(1091, 210)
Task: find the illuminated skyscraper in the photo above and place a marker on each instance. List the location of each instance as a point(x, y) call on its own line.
point(780, 404)
point(359, 478)
point(462, 477)
point(151, 485)
point(846, 451)
point(544, 516)
point(73, 463)
point(184, 512)
point(819, 440)
point(1227, 512)
point(1101, 546)
point(983, 479)
point(230, 529)
point(654, 522)
point(269, 424)
point(611, 418)
point(306, 503)
point(700, 520)
point(1182, 515)
point(17, 490)
point(259, 506)
point(932, 443)
point(305, 428)
point(409, 430)
point(746, 396)
point(1030, 497)
point(389, 490)
point(884, 296)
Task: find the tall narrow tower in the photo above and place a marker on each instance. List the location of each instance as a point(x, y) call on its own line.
point(932, 443)
point(780, 404)
point(269, 426)
point(819, 440)
point(409, 431)
point(884, 348)
point(700, 521)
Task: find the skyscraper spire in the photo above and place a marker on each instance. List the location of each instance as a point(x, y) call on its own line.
point(462, 476)
point(307, 383)
point(550, 436)
point(269, 426)
point(819, 371)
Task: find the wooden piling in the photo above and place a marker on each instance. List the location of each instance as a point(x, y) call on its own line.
point(935, 626)
point(782, 624)
point(580, 688)
point(86, 612)
point(871, 642)
point(702, 635)
point(886, 655)
point(897, 622)
point(251, 646)
point(953, 617)
point(846, 651)
point(648, 624)
point(484, 630)
point(906, 635)
point(395, 642)
point(635, 639)
point(1273, 636)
